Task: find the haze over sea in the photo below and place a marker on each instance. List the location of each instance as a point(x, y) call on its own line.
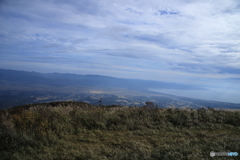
point(214, 94)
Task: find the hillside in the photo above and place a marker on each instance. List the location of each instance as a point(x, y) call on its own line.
point(77, 130)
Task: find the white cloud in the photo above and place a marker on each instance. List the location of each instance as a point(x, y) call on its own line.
point(202, 35)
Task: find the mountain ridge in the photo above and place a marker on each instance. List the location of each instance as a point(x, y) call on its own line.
point(24, 87)
point(64, 79)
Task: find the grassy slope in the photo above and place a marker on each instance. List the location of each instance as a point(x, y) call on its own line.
point(71, 130)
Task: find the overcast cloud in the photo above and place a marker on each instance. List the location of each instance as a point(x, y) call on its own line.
point(181, 41)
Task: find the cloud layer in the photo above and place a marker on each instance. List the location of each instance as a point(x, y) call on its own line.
point(185, 41)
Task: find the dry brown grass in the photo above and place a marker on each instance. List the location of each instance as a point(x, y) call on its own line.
point(71, 130)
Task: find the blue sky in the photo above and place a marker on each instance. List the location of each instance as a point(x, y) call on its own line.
point(190, 42)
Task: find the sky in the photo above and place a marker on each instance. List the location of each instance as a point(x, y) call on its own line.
point(185, 41)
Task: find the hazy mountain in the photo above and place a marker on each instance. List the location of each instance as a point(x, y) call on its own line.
point(59, 79)
point(21, 87)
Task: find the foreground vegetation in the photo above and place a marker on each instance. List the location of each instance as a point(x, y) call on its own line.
point(73, 130)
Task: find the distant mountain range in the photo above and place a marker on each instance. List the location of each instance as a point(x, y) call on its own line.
point(22, 87)
point(61, 80)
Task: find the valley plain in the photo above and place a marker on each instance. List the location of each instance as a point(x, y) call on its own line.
point(21, 87)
